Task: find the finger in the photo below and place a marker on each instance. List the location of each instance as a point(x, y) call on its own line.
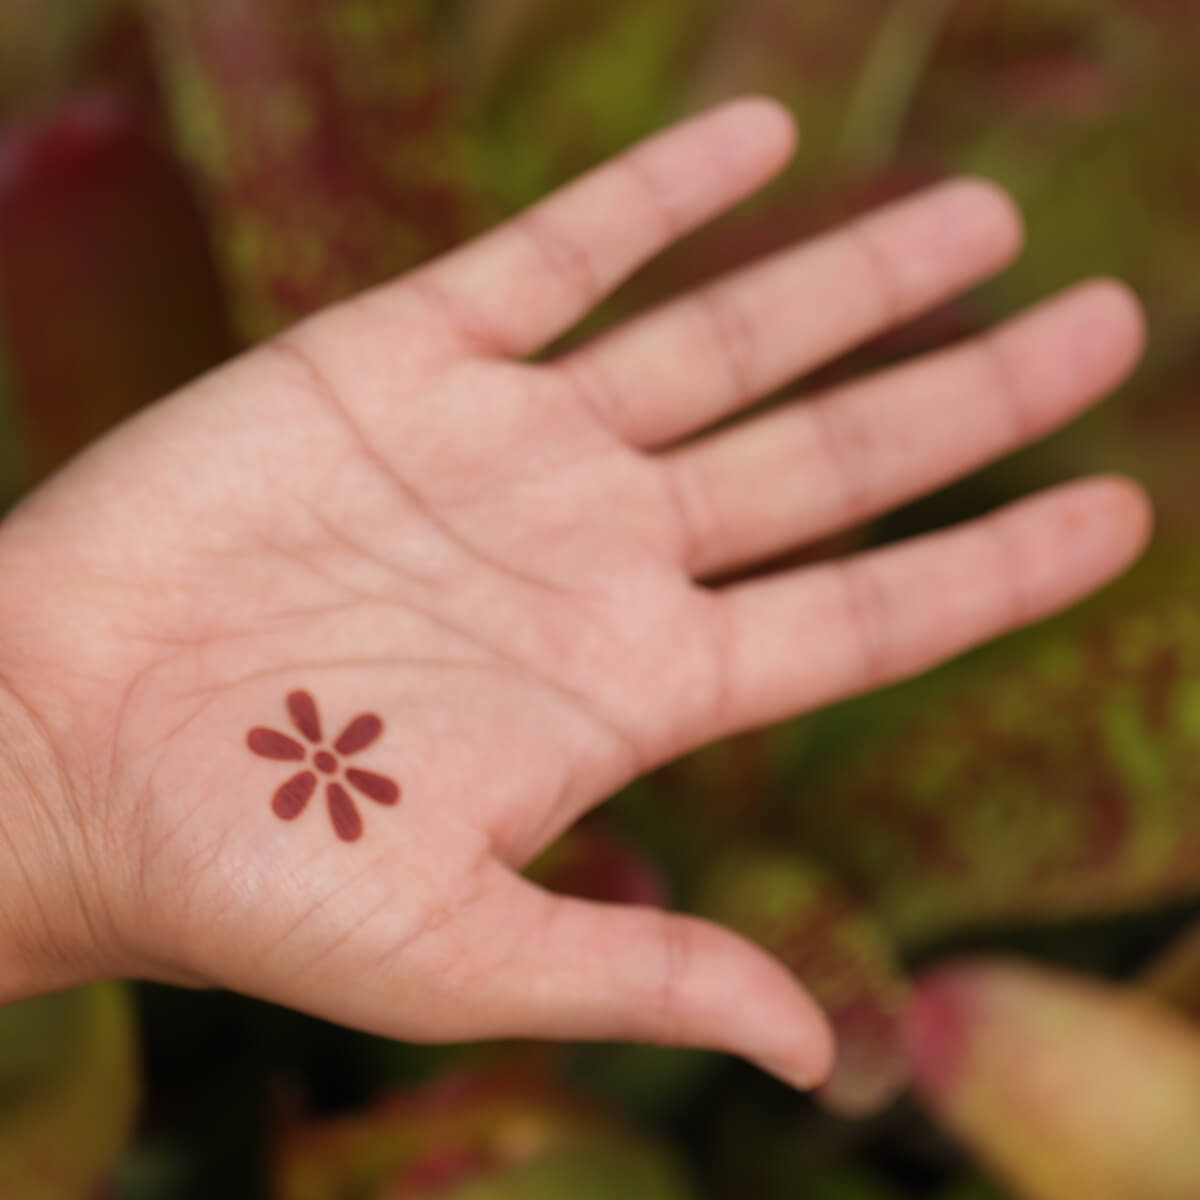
point(516, 289)
point(817, 467)
point(698, 358)
point(578, 970)
point(807, 638)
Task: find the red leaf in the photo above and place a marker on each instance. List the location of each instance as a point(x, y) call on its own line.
point(108, 296)
point(599, 866)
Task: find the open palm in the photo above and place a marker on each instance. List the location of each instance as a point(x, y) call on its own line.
point(321, 651)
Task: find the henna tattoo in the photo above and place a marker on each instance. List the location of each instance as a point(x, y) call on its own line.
point(381, 790)
point(303, 710)
point(293, 797)
point(267, 743)
point(346, 820)
point(359, 734)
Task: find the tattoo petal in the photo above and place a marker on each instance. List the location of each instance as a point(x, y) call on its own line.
point(347, 824)
point(270, 743)
point(303, 710)
point(377, 787)
point(292, 799)
point(359, 734)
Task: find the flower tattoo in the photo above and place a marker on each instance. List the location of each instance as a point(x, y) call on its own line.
point(293, 797)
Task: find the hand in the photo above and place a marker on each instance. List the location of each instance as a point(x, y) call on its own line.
point(506, 571)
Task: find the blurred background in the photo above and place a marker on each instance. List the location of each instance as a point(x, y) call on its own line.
point(990, 876)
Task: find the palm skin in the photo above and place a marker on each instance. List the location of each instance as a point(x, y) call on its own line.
point(389, 509)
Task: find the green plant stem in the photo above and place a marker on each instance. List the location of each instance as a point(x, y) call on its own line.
point(890, 79)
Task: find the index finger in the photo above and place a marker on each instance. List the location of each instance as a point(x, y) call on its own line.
point(516, 289)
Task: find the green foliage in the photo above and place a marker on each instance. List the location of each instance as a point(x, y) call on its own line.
point(325, 139)
point(40, 45)
point(586, 1173)
point(570, 52)
point(475, 1137)
point(810, 921)
point(68, 1091)
point(1057, 782)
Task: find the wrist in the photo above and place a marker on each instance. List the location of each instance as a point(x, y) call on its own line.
point(51, 926)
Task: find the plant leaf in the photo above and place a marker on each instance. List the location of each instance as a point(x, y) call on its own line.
point(490, 1132)
point(40, 44)
point(1058, 778)
point(1069, 1088)
point(326, 138)
point(108, 294)
point(594, 864)
point(68, 1091)
point(816, 927)
point(1175, 976)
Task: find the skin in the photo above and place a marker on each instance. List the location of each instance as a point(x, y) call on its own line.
point(512, 566)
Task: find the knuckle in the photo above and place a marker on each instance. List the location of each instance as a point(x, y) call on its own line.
point(645, 181)
point(595, 391)
point(680, 939)
point(868, 616)
point(847, 448)
point(698, 512)
point(1006, 386)
point(726, 329)
point(1016, 608)
point(883, 276)
point(563, 257)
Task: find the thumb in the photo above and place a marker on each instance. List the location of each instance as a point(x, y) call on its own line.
point(606, 972)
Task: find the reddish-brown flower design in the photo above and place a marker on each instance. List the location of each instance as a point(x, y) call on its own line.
point(293, 797)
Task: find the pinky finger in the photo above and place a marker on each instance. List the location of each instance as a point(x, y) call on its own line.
point(803, 639)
